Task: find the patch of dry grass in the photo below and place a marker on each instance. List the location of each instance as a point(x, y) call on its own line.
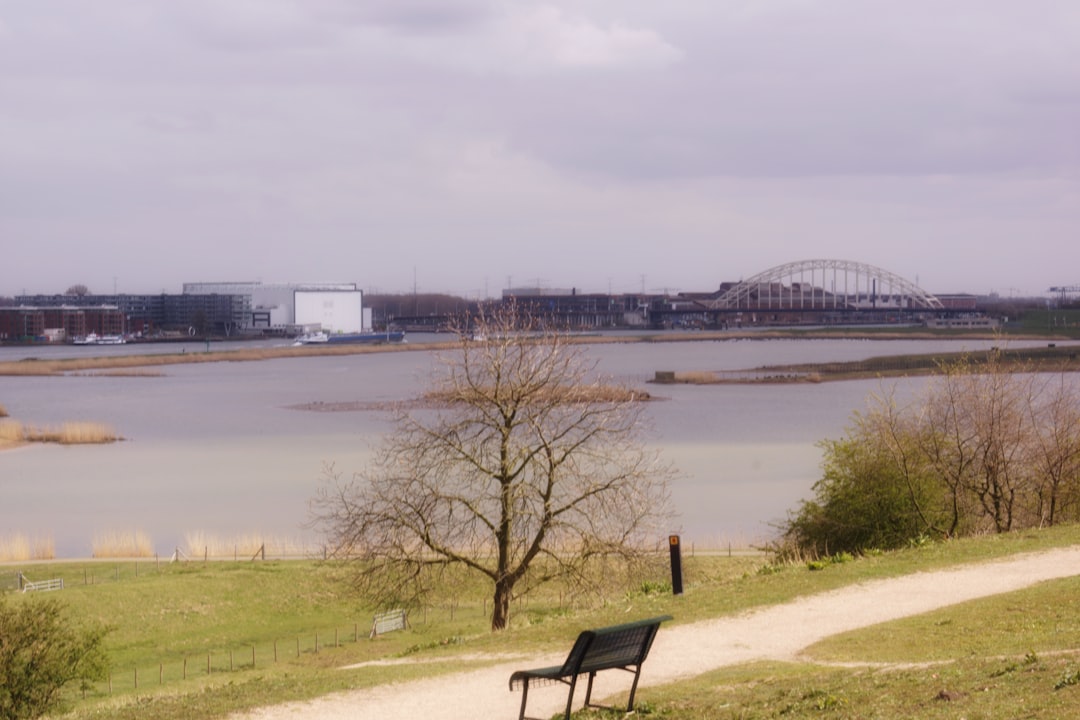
point(551, 395)
point(122, 544)
point(20, 548)
point(89, 365)
point(11, 431)
point(69, 433)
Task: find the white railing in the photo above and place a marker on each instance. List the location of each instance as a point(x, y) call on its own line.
point(54, 584)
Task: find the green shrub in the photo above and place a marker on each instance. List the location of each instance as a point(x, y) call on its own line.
point(40, 653)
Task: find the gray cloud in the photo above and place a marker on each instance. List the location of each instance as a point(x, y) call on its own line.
point(583, 144)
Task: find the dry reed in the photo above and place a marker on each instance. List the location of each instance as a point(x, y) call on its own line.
point(70, 433)
point(3, 411)
point(119, 544)
point(20, 548)
point(11, 431)
point(554, 394)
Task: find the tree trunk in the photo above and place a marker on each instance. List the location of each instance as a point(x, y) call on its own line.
point(500, 613)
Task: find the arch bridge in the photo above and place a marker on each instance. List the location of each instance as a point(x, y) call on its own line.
point(823, 285)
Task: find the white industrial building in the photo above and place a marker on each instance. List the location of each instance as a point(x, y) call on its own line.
point(294, 307)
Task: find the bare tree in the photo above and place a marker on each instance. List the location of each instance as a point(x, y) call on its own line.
point(990, 445)
point(520, 466)
point(1057, 452)
point(80, 290)
point(981, 428)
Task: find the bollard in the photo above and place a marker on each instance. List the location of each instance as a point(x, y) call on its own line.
point(676, 565)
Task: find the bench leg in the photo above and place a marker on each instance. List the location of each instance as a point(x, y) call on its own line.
point(588, 689)
point(570, 698)
point(633, 689)
point(524, 697)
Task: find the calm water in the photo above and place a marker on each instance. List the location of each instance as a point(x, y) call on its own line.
point(216, 448)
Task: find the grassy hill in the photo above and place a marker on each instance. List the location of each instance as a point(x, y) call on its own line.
point(200, 640)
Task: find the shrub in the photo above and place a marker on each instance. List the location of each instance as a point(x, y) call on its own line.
point(40, 653)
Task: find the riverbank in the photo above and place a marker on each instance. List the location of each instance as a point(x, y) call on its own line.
point(1047, 359)
point(137, 364)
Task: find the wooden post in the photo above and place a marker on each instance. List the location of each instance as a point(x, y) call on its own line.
point(185, 667)
point(230, 661)
point(160, 673)
point(316, 643)
point(136, 678)
point(275, 650)
point(297, 647)
point(207, 663)
point(253, 656)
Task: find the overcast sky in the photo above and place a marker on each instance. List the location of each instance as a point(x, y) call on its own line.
point(607, 145)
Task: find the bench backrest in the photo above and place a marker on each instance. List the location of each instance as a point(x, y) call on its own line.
point(612, 647)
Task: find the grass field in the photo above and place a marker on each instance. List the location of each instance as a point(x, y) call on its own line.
point(199, 640)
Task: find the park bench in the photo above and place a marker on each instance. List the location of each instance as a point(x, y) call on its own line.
point(619, 647)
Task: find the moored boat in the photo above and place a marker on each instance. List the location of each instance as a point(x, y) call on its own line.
point(369, 337)
point(95, 339)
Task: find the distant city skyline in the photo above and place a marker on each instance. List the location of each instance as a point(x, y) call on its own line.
point(466, 146)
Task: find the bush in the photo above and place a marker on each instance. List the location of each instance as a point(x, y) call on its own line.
point(40, 653)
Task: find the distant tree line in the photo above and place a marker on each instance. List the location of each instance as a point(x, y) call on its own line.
point(989, 447)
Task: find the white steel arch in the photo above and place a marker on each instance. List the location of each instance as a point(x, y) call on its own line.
point(826, 285)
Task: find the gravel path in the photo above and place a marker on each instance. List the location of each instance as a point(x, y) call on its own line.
point(776, 633)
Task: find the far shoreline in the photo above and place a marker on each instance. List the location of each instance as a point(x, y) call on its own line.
point(114, 365)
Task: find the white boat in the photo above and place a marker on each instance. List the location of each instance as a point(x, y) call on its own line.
point(95, 339)
point(312, 338)
point(369, 338)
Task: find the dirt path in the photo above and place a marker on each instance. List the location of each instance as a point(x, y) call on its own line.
point(780, 633)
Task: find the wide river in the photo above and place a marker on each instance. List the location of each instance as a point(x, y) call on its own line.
point(218, 449)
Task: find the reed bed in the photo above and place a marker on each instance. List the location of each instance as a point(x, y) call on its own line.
point(69, 433)
point(3, 411)
point(559, 394)
point(122, 544)
point(11, 431)
point(21, 548)
point(201, 544)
